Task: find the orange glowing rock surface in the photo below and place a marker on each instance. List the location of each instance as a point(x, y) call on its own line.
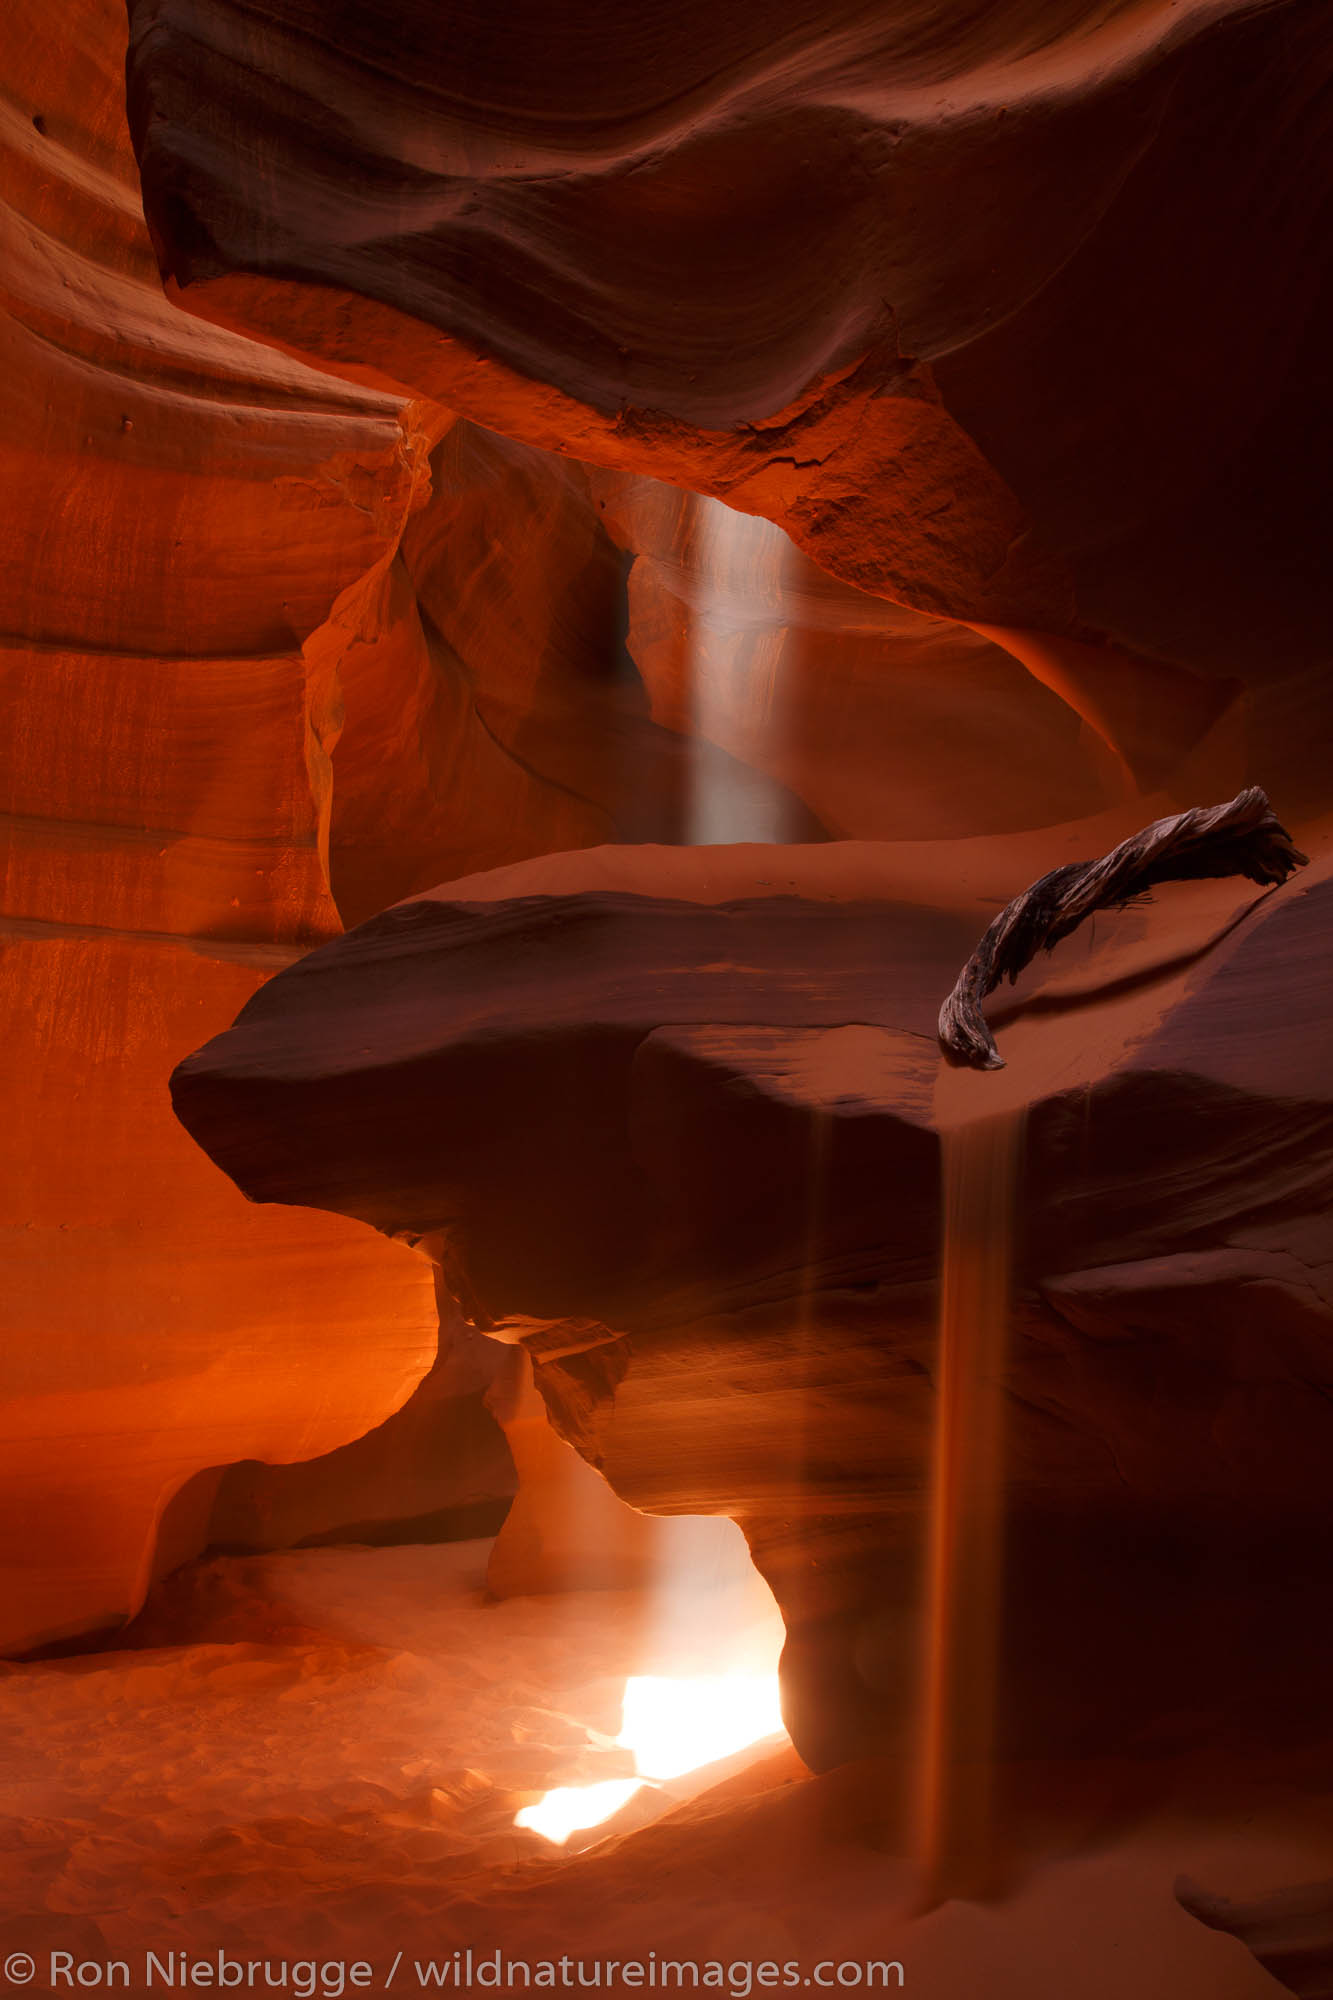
point(731, 499)
point(953, 296)
point(942, 306)
point(673, 1120)
point(180, 507)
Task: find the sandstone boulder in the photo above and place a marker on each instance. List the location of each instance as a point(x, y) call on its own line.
point(678, 1123)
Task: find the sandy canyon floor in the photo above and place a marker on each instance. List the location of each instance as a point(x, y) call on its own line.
point(317, 1758)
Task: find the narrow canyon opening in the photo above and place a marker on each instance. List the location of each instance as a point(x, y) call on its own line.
point(559, 580)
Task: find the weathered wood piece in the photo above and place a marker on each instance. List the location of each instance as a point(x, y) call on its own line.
point(1242, 837)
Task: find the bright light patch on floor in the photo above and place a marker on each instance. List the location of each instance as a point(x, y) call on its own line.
point(573, 1807)
point(674, 1726)
point(713, 1636)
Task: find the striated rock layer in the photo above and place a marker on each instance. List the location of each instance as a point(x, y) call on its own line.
point(1006, 352)
point(180, 509)
point(677, 1122)
point(989, 308)
point(276, 651)
point(436, 1470)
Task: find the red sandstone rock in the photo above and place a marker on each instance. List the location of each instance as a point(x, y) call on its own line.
point(484, 703)
point(258, 680)
point(437, 1470)
point(992, 312)
point(180, 508)
point(687, 1150)
point(279, 651)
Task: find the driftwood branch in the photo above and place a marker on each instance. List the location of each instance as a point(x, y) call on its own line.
point(1242, 837)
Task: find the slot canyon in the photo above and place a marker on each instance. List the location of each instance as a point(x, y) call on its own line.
point(562, 566)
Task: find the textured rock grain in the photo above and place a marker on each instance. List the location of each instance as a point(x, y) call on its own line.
point(180, 507)
point(989, 309)
point(688, 1153)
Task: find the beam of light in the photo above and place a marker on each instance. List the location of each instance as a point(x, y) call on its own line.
point(981, 1164)
point(737, 632)
point(714, 1641)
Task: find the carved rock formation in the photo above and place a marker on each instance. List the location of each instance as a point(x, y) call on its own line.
point(180, 507)
point(674, 1121)
point(437, 1470)
point(950, 302)
point(279, 650)
point(989, 311)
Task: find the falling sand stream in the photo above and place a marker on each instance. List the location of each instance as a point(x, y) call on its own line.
point(979, 1164)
